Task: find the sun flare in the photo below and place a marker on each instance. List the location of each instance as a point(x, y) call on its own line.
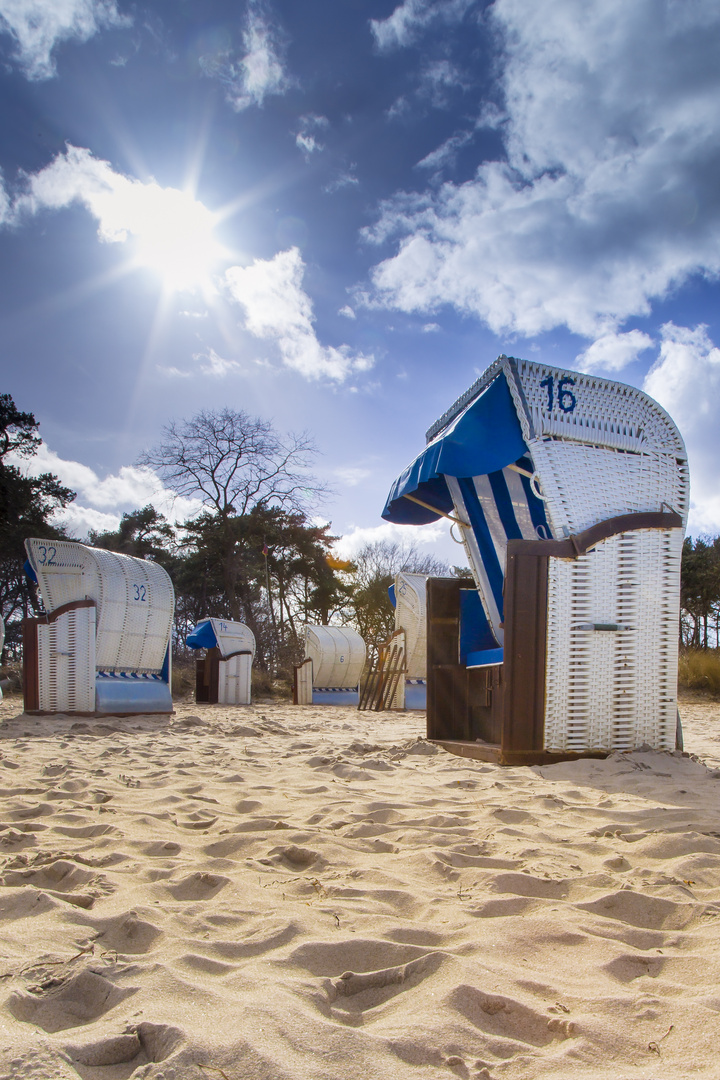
point(174, 237)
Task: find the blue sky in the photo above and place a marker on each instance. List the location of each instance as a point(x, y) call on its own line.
point(336, 213)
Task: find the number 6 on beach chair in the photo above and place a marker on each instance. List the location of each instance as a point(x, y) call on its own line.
point(103, 645)
point(569, 494)
point(330, 673)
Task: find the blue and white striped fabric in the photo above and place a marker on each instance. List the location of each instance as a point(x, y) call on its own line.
point(500, 506)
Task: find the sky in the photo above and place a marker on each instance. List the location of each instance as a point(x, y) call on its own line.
point(335, 214)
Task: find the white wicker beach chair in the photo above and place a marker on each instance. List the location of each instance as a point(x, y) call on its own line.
point(224, 674)
point(336, 656)
point(570, 495)
point(408, 594)
point(104, 644)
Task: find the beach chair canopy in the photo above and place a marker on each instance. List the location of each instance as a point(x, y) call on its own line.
point(532, 452)
point(133, 598)
point(229, 637)
point(337, 654)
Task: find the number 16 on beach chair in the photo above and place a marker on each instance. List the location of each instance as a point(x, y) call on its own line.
point(103, 644)
point(569, 494)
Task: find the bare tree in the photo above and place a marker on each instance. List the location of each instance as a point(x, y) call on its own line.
point(376, 566)
point(237, 464)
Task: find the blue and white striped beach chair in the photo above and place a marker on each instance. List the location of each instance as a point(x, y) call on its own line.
point(570, 496)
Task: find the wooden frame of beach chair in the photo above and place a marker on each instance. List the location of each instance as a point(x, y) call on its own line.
point(103, 645)
point(571, 495)
point(382, 686)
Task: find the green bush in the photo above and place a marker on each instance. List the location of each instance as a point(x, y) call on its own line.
point(699, 669)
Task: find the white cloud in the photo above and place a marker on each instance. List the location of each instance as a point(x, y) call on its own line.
point(101, 502)
point(307, 143)
point(37, 26)
point(349, 544)
point(172, 232)
point(430, 328)
point(613, 352)
point(305, 140)
point(410, 18)
point(685, 380)
point(207, 363)
point(437, 79)
point(342, 180)
point(173, 372)
point(446, 153)
point(260, 72)
point(608, 198)
point(278, 309)
point(352, 475)
point(214, 365)
point(347, 311)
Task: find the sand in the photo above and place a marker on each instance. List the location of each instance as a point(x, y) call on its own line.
point(279, 893)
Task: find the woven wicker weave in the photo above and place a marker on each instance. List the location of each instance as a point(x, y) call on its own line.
point(616, 452)
point(411, 616)
point(233, 636)
point(597, 450)
point(337, 654)
point(66, 663)
point(134, 598)
point(614, 689)
point(235, 680)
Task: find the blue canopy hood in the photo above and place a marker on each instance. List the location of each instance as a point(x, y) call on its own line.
point(202, 637)
point(484, 438)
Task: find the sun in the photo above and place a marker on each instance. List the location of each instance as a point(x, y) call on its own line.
point(174, 236)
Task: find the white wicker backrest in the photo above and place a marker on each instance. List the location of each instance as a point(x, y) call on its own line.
point(612, 644)
point(134, 599)
point(233, 637)
point(66, 662)
point(599, 448)
point(337, 653)
point(235, 681)
point(411, 616)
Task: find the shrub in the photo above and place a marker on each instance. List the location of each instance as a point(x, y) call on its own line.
point(699, 669)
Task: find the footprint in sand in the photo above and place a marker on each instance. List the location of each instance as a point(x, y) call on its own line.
point(160, 849)
point(82, 832)
point(198, 886)
point(63, 880)
point(647, 912)
point(295, 858)
point(231, 845)
point(632, 966)
point(198, 820)
point(141, 1045)
point(331, 959)
point(16, 904)
point(127, 934)
point(511, 1025)
point(78, 1000)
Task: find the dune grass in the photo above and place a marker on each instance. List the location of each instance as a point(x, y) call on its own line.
point(699, 669)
